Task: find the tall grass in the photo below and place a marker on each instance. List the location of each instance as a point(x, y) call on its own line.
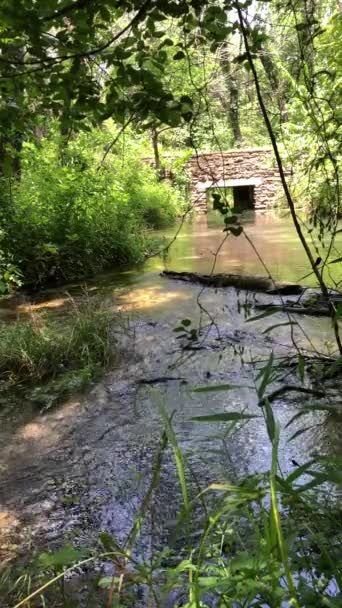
point(53, 357)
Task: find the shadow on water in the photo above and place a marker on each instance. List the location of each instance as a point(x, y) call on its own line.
point(84, 467)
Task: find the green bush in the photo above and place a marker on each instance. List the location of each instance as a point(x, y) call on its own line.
point(10, 275)
point(70, 216)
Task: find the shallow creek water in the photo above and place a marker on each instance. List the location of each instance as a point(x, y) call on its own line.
point(84, 467)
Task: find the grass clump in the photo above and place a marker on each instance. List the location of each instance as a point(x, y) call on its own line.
point(48, 358)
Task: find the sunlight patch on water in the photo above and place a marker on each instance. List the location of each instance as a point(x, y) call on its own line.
point(32, 430)
point(7, 520)
point(56, 303)
point(149, 297)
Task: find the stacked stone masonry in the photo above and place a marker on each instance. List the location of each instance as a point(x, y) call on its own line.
point(246, 167)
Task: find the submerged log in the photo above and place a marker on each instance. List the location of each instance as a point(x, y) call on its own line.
point(248, 282)
point(315, 305)
point(312, 310)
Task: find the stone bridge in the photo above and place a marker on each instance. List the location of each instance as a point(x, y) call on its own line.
point(250, 172)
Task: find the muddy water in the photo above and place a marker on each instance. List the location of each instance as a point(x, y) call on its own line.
point(85, 467)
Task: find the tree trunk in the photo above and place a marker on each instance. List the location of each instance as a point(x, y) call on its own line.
point(272, 77)
point(233, 95)
point(11, 129)
point(155, 146)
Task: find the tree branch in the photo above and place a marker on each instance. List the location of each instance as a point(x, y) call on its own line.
point(60, 58)
point(117, 136)
point(287, 193)
point(65, 10)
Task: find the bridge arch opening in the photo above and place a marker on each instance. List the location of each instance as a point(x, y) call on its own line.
point(239, 198)
point(243, 197)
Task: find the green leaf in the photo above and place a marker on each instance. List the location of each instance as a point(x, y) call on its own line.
point(179, 55)
point(178, 455)
point(268, 329)
point(266, 313)
point(334, 368)
point(187, 116)
point(235, 230)
point(219, 387)
point(184, 566)
point(62, 557)
point(300, 432)
point(105, 13)
point(338, 313)
point(224, 417)
point(166, 42)
point(270, 421)
point(186, 322)
point(240, 58)
point(218, 205)
point(266, 377)
point(107, 541)
point(303, 469)
point(329, 409)
point(105, 582)
point(186, 99)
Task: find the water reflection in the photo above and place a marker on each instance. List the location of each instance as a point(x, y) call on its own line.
point(272, 235)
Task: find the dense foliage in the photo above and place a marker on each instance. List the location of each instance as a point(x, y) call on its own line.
point(70, 215)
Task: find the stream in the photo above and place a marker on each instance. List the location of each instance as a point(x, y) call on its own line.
point(84, 467)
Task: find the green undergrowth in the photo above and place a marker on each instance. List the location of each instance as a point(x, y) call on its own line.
point(44, 359)
point(265, 540)
point(72, 214)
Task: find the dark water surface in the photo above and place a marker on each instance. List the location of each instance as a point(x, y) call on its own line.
point(84, 467)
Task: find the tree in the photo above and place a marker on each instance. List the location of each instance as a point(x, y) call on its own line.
point(232, 105)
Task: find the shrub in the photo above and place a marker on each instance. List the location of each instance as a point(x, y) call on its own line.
point(70, 216)
point(10, 275)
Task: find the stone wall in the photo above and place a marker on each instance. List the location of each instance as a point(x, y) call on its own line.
point(245, 167)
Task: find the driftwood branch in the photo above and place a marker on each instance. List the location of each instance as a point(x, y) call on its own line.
point(320, 307)
point(294, 309)
point(317, 305)
point(248, 282)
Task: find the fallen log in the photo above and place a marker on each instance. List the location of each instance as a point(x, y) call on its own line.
point(247, 282)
